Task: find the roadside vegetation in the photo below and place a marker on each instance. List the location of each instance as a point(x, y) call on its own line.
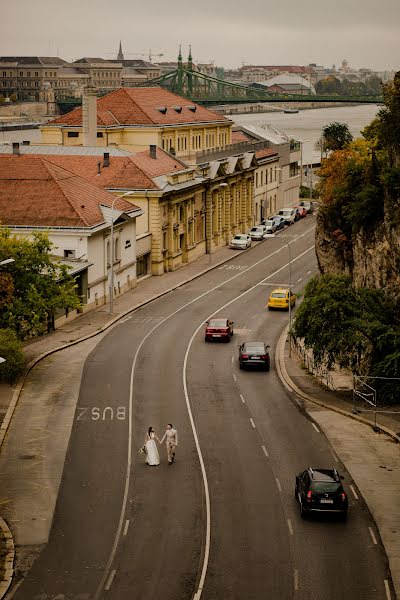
point(357, 328)
point(32, 289)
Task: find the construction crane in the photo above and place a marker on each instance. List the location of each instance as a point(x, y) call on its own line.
point(149, 54)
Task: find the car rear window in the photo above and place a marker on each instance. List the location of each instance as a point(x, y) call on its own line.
point(254, 349)
point(325, 486)
point(268, 223)
point(217, 323)
point(239, 237)
point(278, 295)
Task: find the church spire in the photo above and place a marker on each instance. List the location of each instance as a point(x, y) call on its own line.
point(120, 54)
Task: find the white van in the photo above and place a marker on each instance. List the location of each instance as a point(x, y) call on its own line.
point(288, 214)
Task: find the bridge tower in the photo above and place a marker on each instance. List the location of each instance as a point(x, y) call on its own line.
point(190, 69)
point(180, 72)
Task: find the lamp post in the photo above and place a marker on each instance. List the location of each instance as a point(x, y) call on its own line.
point(112, 250)
point(7, 261)
point(270, 235)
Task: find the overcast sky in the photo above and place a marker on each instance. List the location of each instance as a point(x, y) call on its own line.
point(230, 32)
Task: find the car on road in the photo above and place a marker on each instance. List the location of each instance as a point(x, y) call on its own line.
point(240, 241)
point(218, 330)
point(307, 205)
point(279, 299)
point(320, 491)
point(302, 211)
point(257, 232)
point(280, 221)
point(288, 214)
point(270, 225)
point(254, 354)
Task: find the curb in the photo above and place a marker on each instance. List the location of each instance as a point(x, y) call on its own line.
point(292, 387)
point(9, 559)
point(11, 408)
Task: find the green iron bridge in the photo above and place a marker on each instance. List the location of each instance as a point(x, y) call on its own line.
point(207, 90)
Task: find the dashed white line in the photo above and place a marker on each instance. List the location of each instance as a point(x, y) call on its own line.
point(265, 451)
point(242, 399)
point(233, 358)
point(298, 401)
point(289, 523)
point(334, 456)
point(252, 423)
point(278, 484)
point(353, 492)
point(296, 580)
point(372, 535)
point(300, 279)
point(315, 427)
point(309, 272)
point(387, 590)
point(234, 377)
point(126, 526)
point(110, 580)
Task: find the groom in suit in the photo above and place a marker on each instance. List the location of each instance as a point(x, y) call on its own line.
point(171, 437)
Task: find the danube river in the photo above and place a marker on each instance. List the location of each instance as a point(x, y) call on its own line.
point(306, 125)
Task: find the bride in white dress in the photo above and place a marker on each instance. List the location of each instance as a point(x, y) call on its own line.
point(152, 456)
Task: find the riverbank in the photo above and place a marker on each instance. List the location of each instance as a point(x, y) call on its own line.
point(269, 107)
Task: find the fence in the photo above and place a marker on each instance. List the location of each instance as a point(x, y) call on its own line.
point(321, 372)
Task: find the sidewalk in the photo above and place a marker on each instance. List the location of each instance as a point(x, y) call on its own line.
point(371, 457)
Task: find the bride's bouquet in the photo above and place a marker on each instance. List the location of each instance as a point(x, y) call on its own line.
point(143, 450)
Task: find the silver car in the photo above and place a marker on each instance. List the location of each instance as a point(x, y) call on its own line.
point(241, 241)
point(257, 232)
point(271, 225)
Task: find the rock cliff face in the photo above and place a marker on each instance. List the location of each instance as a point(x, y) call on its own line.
point(372, 258)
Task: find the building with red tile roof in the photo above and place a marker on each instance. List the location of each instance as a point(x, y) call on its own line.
point(133, 118)
point(37, 194)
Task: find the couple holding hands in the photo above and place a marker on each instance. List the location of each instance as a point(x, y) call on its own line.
point(171, 437)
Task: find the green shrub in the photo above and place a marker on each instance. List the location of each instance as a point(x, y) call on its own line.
point(11, 350)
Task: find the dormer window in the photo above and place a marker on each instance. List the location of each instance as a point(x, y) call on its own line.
point(178, 109)
point(192, 108)
point(162, 109)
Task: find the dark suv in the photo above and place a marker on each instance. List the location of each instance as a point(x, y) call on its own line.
point(320, 491)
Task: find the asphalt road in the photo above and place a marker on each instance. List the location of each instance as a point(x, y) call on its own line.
point(125, 530)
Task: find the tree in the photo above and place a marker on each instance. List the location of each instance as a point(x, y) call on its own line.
point(40, 285)
point(11, 351)
point(331, 85)
point(336, 136)
point(13, 98)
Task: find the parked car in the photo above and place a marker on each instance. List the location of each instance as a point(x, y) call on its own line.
point(280, 221)
point(219, 329)
point(254, 354)
point(257, 232)
point(302, 211)
point(307, 205)
point(271, 225)
point(240, 241)
point(279, 298)
point(320, 491)
point(288, 214)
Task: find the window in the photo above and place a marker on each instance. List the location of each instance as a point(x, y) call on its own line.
point(36, 73)
point(69, 254)
point(99, 134)
point(73, 134)
point(181, 213)
point(165, 240)
point(181, 241)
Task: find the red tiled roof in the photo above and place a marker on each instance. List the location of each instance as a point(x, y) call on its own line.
point(124, 172)
point(139, 106)
point(265, 153)
point(37, 192)
point(239, 136)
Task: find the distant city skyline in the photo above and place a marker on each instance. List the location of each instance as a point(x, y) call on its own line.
point(363, 32)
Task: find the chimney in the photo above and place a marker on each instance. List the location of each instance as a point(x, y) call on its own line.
point(89, 116)
point(106, 159)
point(15, 148)
point(153, 151)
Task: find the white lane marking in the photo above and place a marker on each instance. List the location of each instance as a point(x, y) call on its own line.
point(254, 316)
point(334, 456)
point(354, 492)
point(289, 523)
point(315, 427)
point(298, 401)
point(233, 358)
point(278, 484)
point(242, 399)
point(252, 423)
point(117, 537)
point(265, 451)
point(234, 377)
point(309, 272)
point(372, 534)
point(126, 526)
point(296, 580)
point(387, 590)
point(274, 284)
point(298, 281)
point(110, 580)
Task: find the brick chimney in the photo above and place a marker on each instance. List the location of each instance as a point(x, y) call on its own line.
point(89, 116)
point(153, 151)
point(106, 159)
point(15, 147)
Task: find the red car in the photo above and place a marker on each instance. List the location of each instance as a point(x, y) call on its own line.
point(302, 211)
point(219, 330)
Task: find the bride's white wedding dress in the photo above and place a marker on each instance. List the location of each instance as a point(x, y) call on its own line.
point(152, 456)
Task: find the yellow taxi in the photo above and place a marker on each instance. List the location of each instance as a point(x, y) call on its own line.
point(279, 298)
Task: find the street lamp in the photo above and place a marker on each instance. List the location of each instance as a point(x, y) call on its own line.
point(7, 261)
point(272, 235)
point(112, 249)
